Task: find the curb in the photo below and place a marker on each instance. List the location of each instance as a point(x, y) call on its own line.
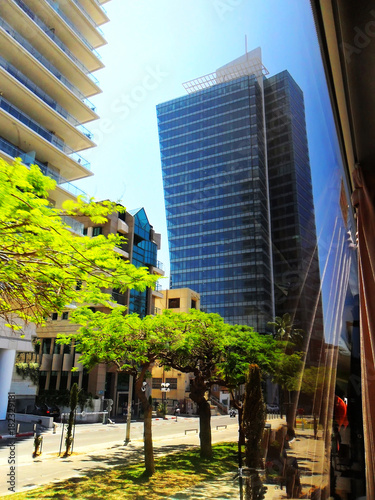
point(20, 434)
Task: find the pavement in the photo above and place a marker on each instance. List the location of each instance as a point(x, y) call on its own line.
point(24, 429)
point(49, 468)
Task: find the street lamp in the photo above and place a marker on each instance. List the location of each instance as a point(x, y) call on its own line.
point(165, 387)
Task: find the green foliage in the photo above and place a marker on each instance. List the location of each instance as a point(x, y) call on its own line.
point(28, 370)
point(85, 398)
point(53, 397)
point(42, 261)
point(175, 472)
point(285, 331)
point(162, 409)
point(288, 371)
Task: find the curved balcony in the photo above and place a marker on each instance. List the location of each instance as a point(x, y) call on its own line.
point(37, 55)
point(28, 159)
point(50, 33)
point(12, 70)
point(73, 27)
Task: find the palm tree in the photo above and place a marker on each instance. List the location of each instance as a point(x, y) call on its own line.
point(285, 331)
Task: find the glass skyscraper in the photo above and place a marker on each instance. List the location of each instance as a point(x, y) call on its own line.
point(236, 198)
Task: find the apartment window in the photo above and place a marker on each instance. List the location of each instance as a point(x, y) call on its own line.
point(67, 349)
point(84, 231)
point(156, 383)
point(65, 315)
point(96, 231)
point(193, 304)
point(54, 316)
point(56, 348)
point(172, 383)
point(46, 346)
point(173, 303)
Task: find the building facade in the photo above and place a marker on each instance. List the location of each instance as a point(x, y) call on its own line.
point(238, 191)
point(47, 59)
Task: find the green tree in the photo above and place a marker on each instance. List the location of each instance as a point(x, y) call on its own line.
point(127, 342)
point(73, 406)
point(42, 261)
point(287, 374)
point(213, 352)
point(285, 330)
point(253, 420)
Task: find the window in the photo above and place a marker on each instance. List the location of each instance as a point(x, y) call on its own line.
point(46, 346)
point(193, 304)
point(97, 230)
point(65, 315)
point(172, 383)
point(84, 231)
point(56, 348)
point(54, 316)
point(173, 303)
point(156, 383)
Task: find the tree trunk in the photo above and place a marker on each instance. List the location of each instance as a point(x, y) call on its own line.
point(198, 390)
point(147, 423)
point(148, 446)
point(205, 428)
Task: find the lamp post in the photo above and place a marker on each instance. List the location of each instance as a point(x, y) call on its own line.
point(129, 414)
point(165, 387)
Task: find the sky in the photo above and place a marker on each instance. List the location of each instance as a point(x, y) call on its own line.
point(155, 46)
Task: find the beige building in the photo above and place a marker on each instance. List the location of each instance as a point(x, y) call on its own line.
point(47, 59)
point(178, 300)
point(57, 361)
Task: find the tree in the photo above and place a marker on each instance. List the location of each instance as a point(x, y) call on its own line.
point(128, 343)
point(42, 261)
point(288, 370)
point(290, 364)
point(285, 331)
point(213, 351)
point(73, 407)
point(253, 420)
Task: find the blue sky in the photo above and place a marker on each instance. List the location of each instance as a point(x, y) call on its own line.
point(155, 46)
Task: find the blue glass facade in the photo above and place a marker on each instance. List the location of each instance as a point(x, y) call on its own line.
point(294, 242)
point(215, 182)
point(144, 254)
point(239, 207)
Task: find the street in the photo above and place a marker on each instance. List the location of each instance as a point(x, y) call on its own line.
point(98, 446)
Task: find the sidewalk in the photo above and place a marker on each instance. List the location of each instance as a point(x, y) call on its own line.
point(25, 429)
point(48, 468)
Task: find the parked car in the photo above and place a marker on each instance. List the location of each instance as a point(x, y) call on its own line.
point(273, 408)
point(47, 411)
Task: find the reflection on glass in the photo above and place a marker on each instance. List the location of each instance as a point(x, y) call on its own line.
point(260, 224)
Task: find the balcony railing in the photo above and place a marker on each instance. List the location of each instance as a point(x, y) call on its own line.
point(77, 227)
point(37, 55)
point(43, 132)
point(28, 160)
point(49, 32)
point(42, 95)
point(73, 27)
point(85, 13)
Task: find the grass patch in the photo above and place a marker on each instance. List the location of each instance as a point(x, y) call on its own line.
point(174, 473)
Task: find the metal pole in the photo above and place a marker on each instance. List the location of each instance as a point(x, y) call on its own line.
point(129, 415)
point(62, 431)
point(74, 428)
point(240, 481)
